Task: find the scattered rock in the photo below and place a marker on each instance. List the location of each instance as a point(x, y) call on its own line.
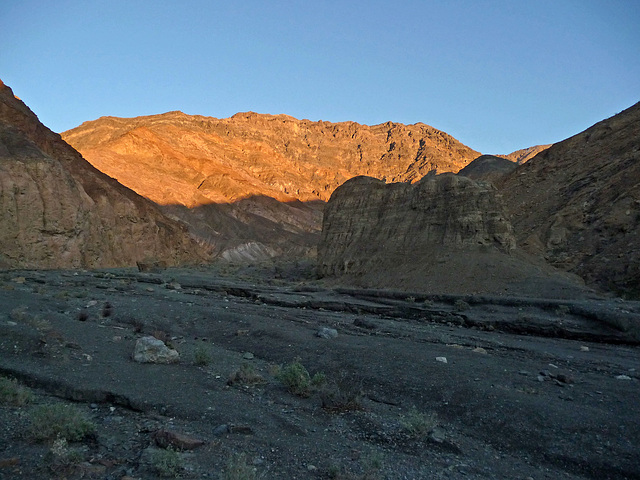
point(221, 430)
point(9, 462)
point(584, 349)
point(364, 323)
point(241, 429)
point(152, 350)
point(623, 377)
point(327, 333)
point(441, 359)
point(151, 266)
point(18, 279)
point(248, 356)
point(480, 350)
point(167, 438)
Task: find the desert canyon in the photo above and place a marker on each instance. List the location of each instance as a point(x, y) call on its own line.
point(468, 315)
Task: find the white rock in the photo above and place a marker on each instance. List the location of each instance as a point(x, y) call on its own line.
point(623, 377)
point(326, 332)
point(152, 350)
point(441, 359)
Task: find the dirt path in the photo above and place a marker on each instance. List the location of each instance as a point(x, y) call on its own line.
point(531, 388)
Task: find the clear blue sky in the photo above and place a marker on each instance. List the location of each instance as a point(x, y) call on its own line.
point(497, 75)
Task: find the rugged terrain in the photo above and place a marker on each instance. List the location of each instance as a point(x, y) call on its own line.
point(577, 204)
point(253, 186)
point(416, 386)
point(59, 211)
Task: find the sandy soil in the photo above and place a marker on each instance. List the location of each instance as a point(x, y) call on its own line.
point(531, 388)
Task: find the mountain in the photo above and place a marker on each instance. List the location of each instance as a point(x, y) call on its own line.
point(577, 203)
point(255, 185)
point(524, 155)
point(58, 211)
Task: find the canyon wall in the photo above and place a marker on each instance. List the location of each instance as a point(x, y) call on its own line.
point(58, 211)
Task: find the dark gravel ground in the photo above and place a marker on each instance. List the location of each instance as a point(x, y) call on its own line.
point(531, 388)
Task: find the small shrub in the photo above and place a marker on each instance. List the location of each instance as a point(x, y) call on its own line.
point(460, 305)
point(14, 394)
point(418, 424)
point(245, 375)
point(341, 395)
point(201, 356)
point(238, 468)
point(107, 310)
point(371, 466)
point(562, 310)
point(167, 463)
point(297, 379)
point(410, 299)
point(59, 421)
point(63, 459)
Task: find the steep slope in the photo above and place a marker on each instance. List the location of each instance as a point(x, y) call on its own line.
point(221, 176)
point(578, 203)
point(60, 212)
point(524, 155)
point(489, 168)
point(443, 234)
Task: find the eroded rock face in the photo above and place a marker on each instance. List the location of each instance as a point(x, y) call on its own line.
point(371, 226)
point(443, 234)
point(577, 204)
point(57, 211)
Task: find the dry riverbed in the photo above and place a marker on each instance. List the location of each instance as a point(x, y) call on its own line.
point(293, 379)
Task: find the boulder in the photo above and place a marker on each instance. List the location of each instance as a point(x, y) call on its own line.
point(151, 350)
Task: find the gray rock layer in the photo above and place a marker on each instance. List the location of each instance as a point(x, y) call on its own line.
point(367, 219)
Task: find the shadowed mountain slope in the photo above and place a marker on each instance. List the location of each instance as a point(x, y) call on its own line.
point(58, 211)
point(578, 203)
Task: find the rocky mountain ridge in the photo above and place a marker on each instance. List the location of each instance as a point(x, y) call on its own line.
point(253, 186)
point(58, 211)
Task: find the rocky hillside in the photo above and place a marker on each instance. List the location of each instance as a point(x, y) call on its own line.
point(253, 186)
point(192, 160)
point(488, 167)
point(524, 155)
point(443, 234)
point(58, 211)
point(578, 203)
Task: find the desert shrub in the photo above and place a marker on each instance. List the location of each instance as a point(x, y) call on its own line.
point(238, 468)
point(59, 421)
point(63, 459)
point(343, 394)
point(418, 424)
point(245, 375)
point(297, 380)
point(14, 394)
point(460, 305)
point(410, 299)
point(167, 463)
point(201, 356)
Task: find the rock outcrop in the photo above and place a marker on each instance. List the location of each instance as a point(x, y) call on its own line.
point(254, 185)
point(443, 234)
point(489, 168)
point(577, 204)
point(524, 155)
point(58, 211)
